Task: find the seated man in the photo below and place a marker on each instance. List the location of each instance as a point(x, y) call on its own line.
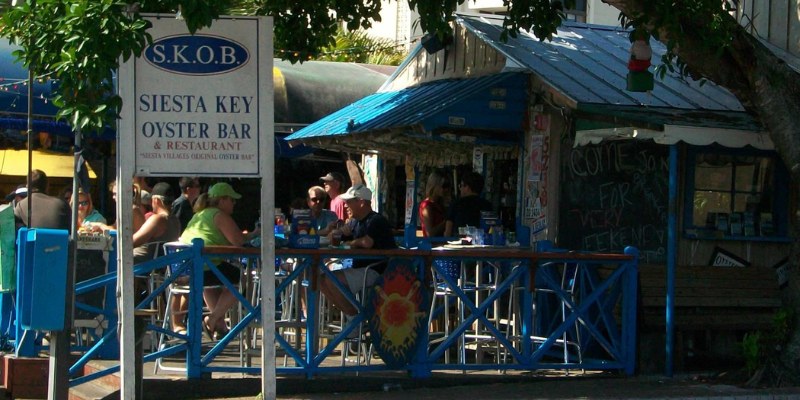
point(372, 231)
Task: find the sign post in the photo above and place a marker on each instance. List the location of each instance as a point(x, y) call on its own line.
point(199, 105)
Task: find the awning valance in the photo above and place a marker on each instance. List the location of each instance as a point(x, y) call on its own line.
point(452, 115)
point(55, 165)
point(698, 136)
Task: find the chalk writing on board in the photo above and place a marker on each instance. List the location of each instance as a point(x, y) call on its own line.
point(615, 195)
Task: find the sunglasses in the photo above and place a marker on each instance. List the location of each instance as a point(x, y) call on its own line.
point(315, 199)
point(83, 203)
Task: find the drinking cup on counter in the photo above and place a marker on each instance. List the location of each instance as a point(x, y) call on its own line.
point(336, 238)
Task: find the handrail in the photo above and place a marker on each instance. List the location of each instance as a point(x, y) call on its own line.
point(594, 312)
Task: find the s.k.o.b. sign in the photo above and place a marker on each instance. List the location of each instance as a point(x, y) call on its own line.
point(201, 102)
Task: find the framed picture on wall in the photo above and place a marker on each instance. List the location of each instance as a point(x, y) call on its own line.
point(723, 258)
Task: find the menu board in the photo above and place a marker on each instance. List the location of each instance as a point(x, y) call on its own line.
point(615, 195)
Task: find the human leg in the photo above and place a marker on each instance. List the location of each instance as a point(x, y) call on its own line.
point(216, 319)
point(179, 307)
point(332, 292)
point(353, 279)
point(220, 299)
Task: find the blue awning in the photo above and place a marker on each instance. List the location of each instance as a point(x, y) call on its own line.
point(488, 109)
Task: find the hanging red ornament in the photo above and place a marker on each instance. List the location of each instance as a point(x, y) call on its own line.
point(639, 78)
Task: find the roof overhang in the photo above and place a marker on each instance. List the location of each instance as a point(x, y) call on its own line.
point(672, 134)
point(56, 165)
point(445, 117)
point(734, 129)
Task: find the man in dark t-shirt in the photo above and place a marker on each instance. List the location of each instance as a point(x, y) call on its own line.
point(182, 206)
point(467, 209)
point(48, 211)
point(372, 231)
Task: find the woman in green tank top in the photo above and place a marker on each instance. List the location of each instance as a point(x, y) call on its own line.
point(213, 223)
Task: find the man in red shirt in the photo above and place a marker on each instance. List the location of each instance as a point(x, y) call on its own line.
point(334, 184)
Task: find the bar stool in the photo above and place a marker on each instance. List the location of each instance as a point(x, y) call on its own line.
point(472, 283)
point(179, 286)
point(553, 280)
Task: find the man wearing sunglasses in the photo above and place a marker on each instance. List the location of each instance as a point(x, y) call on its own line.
point(334, 185)
point(323, 220)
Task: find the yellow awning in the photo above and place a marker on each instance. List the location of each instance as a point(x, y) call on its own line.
point(55, 165)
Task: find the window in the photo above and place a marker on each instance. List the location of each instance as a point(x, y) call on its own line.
point(578, 11)
point(735, 194)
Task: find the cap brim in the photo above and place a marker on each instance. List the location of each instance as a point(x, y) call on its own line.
point(235, 195)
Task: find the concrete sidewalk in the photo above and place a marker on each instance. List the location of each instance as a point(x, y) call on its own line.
point(467, 386)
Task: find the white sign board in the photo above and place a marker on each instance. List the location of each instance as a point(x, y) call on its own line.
point(199, 100)
point(197, 105)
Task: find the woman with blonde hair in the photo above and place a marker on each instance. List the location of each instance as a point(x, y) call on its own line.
point(432, 208)
point(87, 214)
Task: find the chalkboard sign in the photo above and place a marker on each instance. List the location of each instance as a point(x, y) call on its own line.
point(90, 264)
point(614, 195)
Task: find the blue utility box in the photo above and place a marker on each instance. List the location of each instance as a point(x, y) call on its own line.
point(41, 286)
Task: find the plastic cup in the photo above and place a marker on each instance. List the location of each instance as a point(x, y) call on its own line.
point(511, 237)
point(336, 238)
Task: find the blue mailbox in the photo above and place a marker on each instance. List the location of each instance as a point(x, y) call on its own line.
point(41, 280)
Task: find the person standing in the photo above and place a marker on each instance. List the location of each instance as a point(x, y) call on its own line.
point(182, 206)
point(432, 208)
point(334, 184)
point(372, 231)
point(466, 210)
point(48, 211)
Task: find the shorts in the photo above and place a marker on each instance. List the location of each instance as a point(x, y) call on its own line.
point(228, 270)
point(355, 278)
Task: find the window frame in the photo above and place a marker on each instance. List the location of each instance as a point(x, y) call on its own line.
point(780, 198)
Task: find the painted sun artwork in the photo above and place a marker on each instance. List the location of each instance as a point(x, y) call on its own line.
point(398, 305)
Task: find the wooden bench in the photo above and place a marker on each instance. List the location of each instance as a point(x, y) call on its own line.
point(711, 298)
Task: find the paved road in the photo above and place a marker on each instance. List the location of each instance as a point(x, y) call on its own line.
point(469, 387)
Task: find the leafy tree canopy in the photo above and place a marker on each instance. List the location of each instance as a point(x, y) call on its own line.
point(80, 42)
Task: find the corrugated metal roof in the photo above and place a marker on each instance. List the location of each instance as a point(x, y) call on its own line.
point(588, 64)
point(403, 109)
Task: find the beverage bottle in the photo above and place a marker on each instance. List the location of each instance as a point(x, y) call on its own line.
point(279, 220)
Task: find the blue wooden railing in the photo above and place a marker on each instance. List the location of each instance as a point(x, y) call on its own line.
point(529, 317)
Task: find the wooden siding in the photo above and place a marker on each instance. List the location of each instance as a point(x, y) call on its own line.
point(467, 57)
point(777, 21)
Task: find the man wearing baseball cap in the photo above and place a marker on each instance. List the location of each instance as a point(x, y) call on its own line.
point(334, 184)
point(372, 231)
point(17, 195)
